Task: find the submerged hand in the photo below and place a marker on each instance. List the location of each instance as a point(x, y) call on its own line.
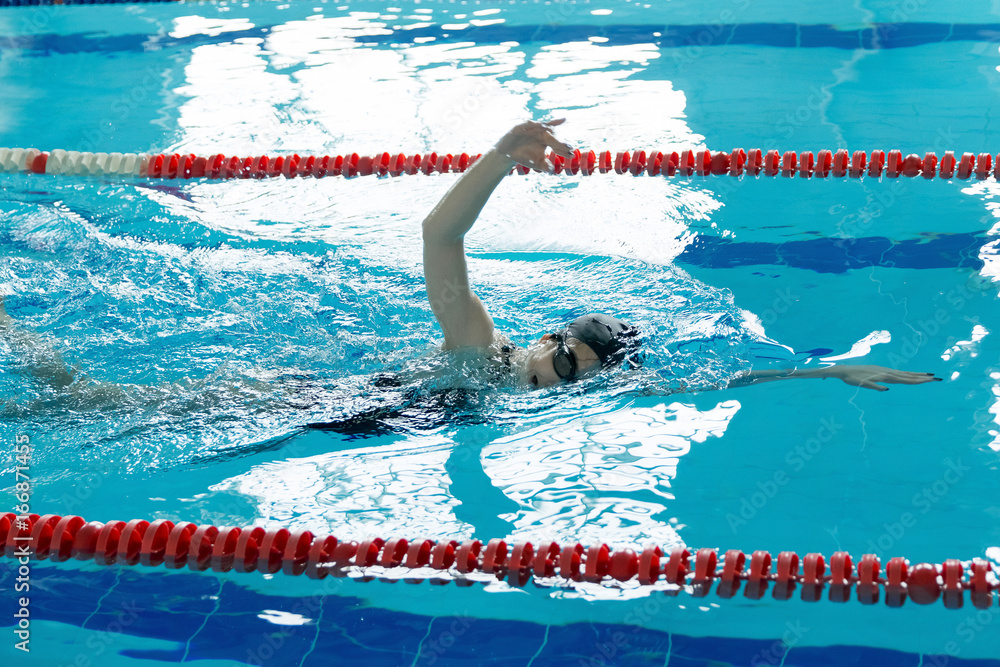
point(526, 144)
point(867, 376)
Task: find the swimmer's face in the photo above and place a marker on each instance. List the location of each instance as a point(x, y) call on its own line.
point(538, 370)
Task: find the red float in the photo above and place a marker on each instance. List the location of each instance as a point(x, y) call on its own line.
point(984, 163)
point(923, 585)
point(63, 537)
point(947, 168)
point(649, 565)
point(248, 550)
point(858, 161)
point(677, 567)
point(597, 563)
point(840, 163)
point(624, 565)
point(495, 557)
point(569, 562)
point(519, 564)
point(467, 557)
point(161, 542)
point(876, 163)
point(912, 165)
point(894, 166)
point(806, 164)
point(930, 165)
point(737, 161)
point(546, 559)
point(703, 163)
point(418, 554)
point(771, 163)
point(966, 165)
point(788, 162)
point(686, 165)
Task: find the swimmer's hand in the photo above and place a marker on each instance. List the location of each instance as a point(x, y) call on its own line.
point(856, 376)
point(867, 376)
point(526, 144)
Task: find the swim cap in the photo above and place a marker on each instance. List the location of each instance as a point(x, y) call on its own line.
point(608, 336)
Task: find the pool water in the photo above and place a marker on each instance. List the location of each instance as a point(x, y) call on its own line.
point(214, 319)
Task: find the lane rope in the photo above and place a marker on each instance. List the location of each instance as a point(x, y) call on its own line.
point(688, 163)
point(222, 549)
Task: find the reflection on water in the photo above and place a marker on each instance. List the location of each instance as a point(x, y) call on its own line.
point(393, 489)
point(211, 326)
point(594, 476)
point(604, 476)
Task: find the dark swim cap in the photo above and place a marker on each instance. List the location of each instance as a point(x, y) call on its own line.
point(612, 339)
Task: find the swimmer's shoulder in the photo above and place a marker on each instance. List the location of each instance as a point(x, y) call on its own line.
point(500, 341)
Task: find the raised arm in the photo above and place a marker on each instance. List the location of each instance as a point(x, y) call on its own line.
point(858, 376)
point(461, 314)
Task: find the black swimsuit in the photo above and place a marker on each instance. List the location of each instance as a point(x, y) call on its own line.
point(502, 372)
point(412, 408)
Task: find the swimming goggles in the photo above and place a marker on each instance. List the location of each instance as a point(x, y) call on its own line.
point(564, 361)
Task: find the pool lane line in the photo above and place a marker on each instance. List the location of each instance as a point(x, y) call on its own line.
point(269, 551)
point(688, 163)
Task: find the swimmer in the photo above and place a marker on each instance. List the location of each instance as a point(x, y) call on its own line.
point(581, 349)
point(589, 343)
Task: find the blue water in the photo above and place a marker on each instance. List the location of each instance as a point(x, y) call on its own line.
point(213, 320)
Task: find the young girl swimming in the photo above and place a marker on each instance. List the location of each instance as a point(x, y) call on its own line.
point(590, 343)
point(586, 346)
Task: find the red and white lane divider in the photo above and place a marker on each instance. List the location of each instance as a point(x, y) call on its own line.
point(739, 162)
point(203, 547)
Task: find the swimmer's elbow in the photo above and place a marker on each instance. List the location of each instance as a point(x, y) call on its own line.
point(447, 223)
point(437, 232)
point(431, 235)
point(431, 230)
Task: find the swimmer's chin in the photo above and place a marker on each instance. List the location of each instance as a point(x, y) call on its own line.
point(519, 361)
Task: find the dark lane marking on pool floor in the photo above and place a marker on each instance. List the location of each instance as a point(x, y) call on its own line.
point(781, 35)
point(834, 255)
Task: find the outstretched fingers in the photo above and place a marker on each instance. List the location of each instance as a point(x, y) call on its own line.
point(891, 376)
point(868, 384)
point(906, 377)
point(558, 147)
point(529, 142)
